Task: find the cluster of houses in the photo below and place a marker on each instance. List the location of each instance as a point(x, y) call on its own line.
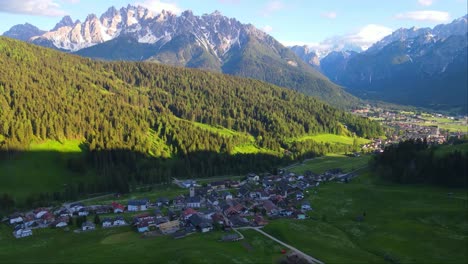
point(220, 204)
point(24, 223)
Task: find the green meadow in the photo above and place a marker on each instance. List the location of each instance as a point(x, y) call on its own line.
point(123, 245)
point(402, 224)
point(331, 161)
point(333, 139)
point(41, 169)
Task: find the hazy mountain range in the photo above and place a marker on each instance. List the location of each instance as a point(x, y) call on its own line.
point(424, 67)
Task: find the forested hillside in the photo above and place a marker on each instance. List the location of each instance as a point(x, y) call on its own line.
point(145, 122)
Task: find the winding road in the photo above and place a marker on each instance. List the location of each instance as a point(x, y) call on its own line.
point(309, 259)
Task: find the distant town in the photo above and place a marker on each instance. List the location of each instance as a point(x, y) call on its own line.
point(434, 128)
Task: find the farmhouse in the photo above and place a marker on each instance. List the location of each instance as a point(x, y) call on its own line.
point(270, 207)
point(200, 223)
point(38, 213)
point(150, 220)
point(117, 208)
point(60, 222)
point(47, 219)
point(119, 221)
point(138, 205)
point(15, 218)
point(188, 213)
point(22, 232)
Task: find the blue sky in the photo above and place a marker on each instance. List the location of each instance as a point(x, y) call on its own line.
point(289, 21)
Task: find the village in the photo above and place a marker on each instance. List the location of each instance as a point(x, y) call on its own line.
point(216, 205)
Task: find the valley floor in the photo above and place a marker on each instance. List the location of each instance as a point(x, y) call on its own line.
point(363, 221)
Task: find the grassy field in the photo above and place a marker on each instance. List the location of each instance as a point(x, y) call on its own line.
point(331, 161)
point(403, 224)
point(42, 169)
point(168, 191)
point(332, 139)
point(122, 245)
point(445, 123)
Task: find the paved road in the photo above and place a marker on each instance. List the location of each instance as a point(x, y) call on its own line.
point(67, 205)
point(310, 259)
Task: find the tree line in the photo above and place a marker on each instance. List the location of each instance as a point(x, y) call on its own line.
point(415, 162)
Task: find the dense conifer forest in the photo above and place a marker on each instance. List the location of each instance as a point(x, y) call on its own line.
point(145, 122)
point(416, 162)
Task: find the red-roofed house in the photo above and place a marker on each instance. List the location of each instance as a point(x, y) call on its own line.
point(118, 208)
point(189, 212)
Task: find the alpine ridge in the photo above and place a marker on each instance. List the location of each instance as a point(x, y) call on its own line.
point(211, 42)
point(422, 67)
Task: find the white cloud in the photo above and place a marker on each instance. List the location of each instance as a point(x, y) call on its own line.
point(273, 6)
point(425, 15)
point(359, 40)
point(159, 5)
point(368, 35)
point(32, 7)
point(425, 2)
point(330, 15)
point(267, 29)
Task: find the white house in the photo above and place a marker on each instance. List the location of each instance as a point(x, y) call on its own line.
point(107, 222)
point(306, 206)
point(22, 232)
point(119, 221)
point(76, 207)
point(16, 219)
point(138, 205)
point(118, 208)
point(253, 177)
point(206, 227)
point(227, 196)
point(39, 213)
point(61, 224)
point(299, 196)
point(264, 196)
point(88, 226)
point(83, 212)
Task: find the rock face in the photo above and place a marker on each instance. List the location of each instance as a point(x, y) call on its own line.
point(423, 67)
point(307, 55)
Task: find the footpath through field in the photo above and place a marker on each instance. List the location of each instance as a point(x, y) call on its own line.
point(309, 259)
